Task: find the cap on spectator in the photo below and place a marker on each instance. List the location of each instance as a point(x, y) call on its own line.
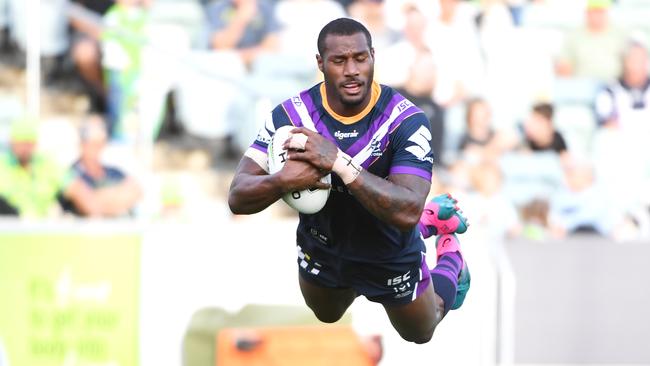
point(598, 4)
point(24, 130)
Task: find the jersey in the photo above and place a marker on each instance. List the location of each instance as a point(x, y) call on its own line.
point(391, 136)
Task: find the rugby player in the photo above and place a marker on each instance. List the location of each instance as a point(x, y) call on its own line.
point(368, 238)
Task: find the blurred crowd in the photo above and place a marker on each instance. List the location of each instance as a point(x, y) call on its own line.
point(540, 110)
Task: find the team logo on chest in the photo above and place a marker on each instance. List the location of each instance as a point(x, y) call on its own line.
point(345, 135)
point(375, 148)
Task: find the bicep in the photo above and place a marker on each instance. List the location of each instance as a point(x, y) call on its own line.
point(416, 184)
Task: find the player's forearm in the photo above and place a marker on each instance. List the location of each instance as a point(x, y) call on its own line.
point(250, 194)
point(391, 203)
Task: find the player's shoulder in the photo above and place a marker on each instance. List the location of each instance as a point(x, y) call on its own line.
point(299, 97)
point(305, 98)
point(294, 109)
point(399, 108)
point(392, 101)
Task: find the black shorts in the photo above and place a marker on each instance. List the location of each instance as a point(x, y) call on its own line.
point(395, 283)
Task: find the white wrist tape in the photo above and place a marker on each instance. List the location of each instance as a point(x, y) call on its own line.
point(298, 141)
point(345, 168)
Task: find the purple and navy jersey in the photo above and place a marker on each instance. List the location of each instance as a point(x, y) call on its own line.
point(391, 136)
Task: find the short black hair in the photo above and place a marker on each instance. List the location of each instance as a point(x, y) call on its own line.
point(342, 27)
point(544, 109)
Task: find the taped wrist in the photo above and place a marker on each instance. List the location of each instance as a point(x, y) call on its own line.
point(345, 168)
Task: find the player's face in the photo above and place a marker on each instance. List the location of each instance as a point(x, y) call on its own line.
point(347, 64)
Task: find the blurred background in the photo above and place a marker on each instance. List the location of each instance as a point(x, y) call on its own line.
point(121, 124)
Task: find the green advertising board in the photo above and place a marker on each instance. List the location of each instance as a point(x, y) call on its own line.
point(69, 300)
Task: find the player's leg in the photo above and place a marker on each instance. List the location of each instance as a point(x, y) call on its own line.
point(328, 304)
point(450, 274)
point(437, 294)
point(448, 281)
point(319, 284)
point(416, 321)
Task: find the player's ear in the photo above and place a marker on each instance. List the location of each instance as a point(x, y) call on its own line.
point(372, 52)
point(319, 60)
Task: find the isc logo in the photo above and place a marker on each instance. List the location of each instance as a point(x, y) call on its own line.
point(399, 279)
point(404, 105)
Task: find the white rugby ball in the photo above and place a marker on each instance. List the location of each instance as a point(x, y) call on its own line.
point(308, 201)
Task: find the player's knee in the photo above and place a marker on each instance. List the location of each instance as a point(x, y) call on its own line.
point(423, 338)
point(327, 316)
point(419, 338)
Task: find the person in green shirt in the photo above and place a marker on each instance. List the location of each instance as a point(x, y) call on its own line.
point(29, 182)
point(593, 51)
point(123, 38)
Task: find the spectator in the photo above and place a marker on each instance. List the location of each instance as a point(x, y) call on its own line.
point(244, 38)
point(598, 40)
point(479, 135)
point(85, 21)
point(395, 65)
point(539, 133)
point(96, 189)
point(505, 67)
point(480, 139)
point(53, 32)
point(534, 168)
point(247, 26)
point(453, 40)
point(486, 203)
point(626, 102)
point(372, 13)
point(300, 22)
point(122, 42)
point(535, 220)
point(418, 89)
point(581, 206)
point(415, 25)
point(29, 182)
point(624, 106)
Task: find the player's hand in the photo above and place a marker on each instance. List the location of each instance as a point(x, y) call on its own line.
point(298, 175)
point(317, 151)
point(441, 215)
